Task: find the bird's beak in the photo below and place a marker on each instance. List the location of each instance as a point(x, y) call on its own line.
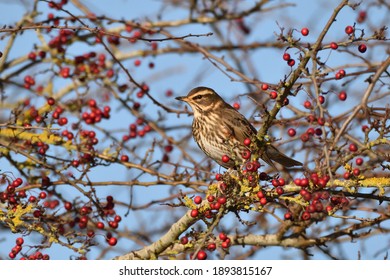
point(181, 98)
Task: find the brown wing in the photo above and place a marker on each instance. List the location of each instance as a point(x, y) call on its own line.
point(239, 127)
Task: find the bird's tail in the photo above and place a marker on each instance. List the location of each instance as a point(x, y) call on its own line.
point(272, 154)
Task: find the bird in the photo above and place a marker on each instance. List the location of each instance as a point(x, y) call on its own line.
point(222, 132)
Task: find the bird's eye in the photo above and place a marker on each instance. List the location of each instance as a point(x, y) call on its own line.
point(198, 96)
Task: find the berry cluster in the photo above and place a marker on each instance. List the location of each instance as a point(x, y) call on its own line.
point(221, 241)
point(47, 207)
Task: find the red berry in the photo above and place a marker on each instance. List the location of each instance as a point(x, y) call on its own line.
point(349, 30)
point(19, 241)
point(68, 205)
point(236, 106)
point(42, 195)
point(334, 46)
point(305, 137)
point(201, 255)
point(286, 56)
point(263, 201)
point(279, 190)
point(307, 104)
point(100, 225)
point(347, 175)
point(328, 208)
point(359, 161)
point(365, 128)
point(32, 56)
point(362, 48)
point(247, 141)
point(197, 199)
point(112, 241)
point(305, 31)
point(264, 86)
point(306, 216)
point(225, 158)
point(291, 62)
point(194, 213)
point(321, 99)
point(362, 16)
point(353, 147)
point(321, 121)
point(291, 132)
point(342, 72)
point(137, 62)
point(211, 247)
point(125, 158)
point(222, 236)
point(273, 94)
point(287, 216)
point(184, 240)
point(356, 171)
point(304, 182)
point(246, 154)
point(221, 200)
point(51, 101)
point(343, 96)
point(260, 194)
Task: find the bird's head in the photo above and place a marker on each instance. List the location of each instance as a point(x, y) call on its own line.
point(202, 99)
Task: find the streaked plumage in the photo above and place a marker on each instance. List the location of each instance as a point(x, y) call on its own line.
point(220, 130)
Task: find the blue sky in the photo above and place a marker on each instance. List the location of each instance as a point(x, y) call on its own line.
point(193, 70)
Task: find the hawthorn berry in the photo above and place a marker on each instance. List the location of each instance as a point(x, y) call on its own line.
point(273, 94)
point(124, 158)
point(305, 137)
point(194, 213)
point(184, 240)
point(306, 216)
point(342, 95)
point(19, 241)
point(291, 132)
point(225, 158)
point(334, 46)
point(287, 216)
point(307, 104)
point(211, 247)
point(362, 48)
point(353, 147)
point(359, 161)
point(247, 141)
point(356, 171)
point(279, 190)
point(221, 200)
point(305, 31)
point(246, 154)
point(349, 29)
point(201, 255)
point(263, 201)
point(112, 241)
point(100, 225)
point(286, 56)
point(291, 62)
point(222, 236)
point(197, 199)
